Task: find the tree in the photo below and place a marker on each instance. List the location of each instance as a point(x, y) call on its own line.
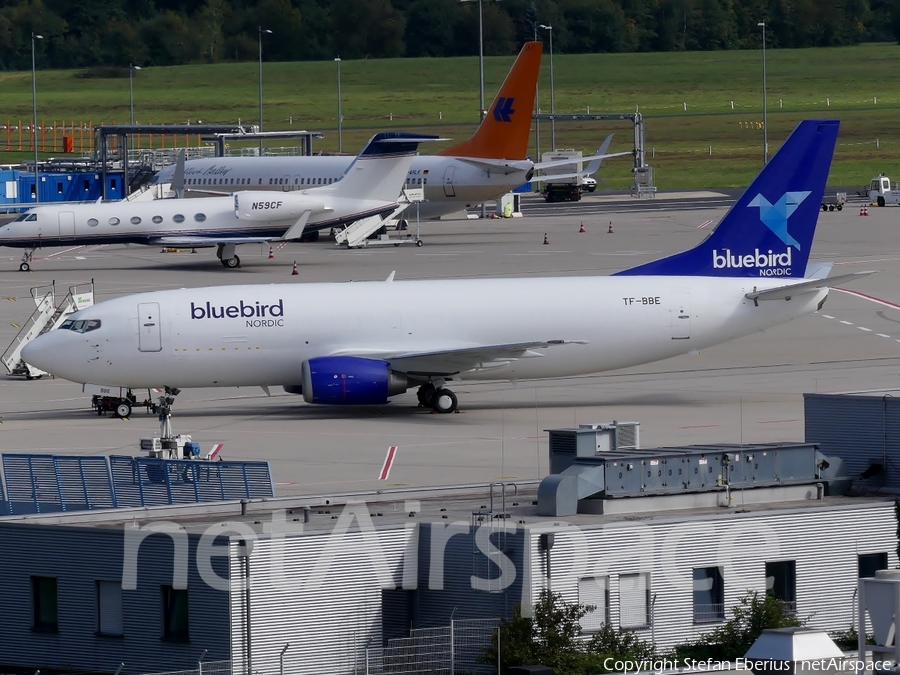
point(754, 613)
point(553, 637)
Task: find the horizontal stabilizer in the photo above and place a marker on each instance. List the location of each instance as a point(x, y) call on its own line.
point(564, 162)
point(794, 290)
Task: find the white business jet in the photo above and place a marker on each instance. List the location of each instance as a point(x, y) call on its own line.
point(361, 343)
point(485, 167)
point(369, 186)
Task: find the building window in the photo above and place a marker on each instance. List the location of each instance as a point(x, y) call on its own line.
point(44, 601)
point(634, 600)
point(781, 582)
point(109, 608)
point(869, 563)
point(175, 614)
point(709, 595)
point(594, 591)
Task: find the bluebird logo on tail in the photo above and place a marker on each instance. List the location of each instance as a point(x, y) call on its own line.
point(775, 216)
point(503, 110)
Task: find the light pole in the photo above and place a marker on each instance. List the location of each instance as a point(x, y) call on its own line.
point(481, 110)
point(131, 69)
point(340, 114)
point(37, 191)
point(549, 29)
point(762, 24)
point(261, 31)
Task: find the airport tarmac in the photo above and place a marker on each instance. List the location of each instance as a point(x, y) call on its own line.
point(749, 390)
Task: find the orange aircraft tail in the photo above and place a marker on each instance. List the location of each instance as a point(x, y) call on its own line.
point(504, 132)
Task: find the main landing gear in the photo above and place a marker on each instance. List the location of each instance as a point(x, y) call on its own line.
point(439, 399)
point(227, 256)
point(25, 266)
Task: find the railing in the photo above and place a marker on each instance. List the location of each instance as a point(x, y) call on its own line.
point(711, 613)
point(38, 483)
point(462, 647)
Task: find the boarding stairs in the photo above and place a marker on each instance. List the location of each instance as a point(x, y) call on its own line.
point(46, 316)
point(357, 232)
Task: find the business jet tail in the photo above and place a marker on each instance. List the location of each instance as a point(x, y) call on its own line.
point(379, 172)
point(769, 230)
point(505, 129)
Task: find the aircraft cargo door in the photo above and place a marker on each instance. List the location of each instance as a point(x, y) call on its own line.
point(680, 311)
point(66, 225)
point(448, 182)
point(150, 337)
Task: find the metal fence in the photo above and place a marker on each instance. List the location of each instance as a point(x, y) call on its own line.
point(52, 483)
point(458, 649)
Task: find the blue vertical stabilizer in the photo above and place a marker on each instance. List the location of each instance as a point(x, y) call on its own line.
point(769, 231)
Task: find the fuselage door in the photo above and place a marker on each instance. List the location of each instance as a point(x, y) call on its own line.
point(66, 225)
point(286, 184)
point(449, 191)
point(680, 311)
point(150, 336)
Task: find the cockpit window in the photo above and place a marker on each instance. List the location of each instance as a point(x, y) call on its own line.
point(26, 217)
point(80, 325)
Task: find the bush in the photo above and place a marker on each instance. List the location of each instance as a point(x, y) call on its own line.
point(750, 617)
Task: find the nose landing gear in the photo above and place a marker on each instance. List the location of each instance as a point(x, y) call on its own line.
point(25, 265)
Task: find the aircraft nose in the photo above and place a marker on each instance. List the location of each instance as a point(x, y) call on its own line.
point(40, 352)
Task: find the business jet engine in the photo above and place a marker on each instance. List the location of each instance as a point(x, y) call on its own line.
point(349, 380)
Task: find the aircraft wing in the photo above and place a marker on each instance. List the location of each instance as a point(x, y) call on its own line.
point(204, 242)
point(793, 290)
point(446, 362)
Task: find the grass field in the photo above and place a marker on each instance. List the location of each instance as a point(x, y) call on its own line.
point(710, 144)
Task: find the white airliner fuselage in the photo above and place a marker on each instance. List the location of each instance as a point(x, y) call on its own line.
point(449, 183)
point(262, 335)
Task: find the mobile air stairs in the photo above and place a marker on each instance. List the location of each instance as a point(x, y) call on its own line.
point(47, 316)
point(357, 233)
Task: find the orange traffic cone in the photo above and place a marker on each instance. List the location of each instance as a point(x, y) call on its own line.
point(610, 230)
point(864, 210)
point(295, 272)
point(271, 253)
point(581, 229)
point(546, 241)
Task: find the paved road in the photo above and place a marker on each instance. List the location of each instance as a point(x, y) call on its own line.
point(746, 391)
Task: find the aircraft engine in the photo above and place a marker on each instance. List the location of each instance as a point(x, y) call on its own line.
point(348, 380)
point(263, 206)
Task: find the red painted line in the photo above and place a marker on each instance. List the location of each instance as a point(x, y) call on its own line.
point(775, 421)
point(866, 296)
point(388, 463)
point(700, 426)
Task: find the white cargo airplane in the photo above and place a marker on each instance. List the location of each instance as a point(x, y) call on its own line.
point(485, 167)
point(361, 343)
point(370, 185)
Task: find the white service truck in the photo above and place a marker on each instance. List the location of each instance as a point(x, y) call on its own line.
point(562, 183)
point(882, 191)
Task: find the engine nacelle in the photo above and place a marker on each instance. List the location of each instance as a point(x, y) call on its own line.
point(264, 206)
point(349, 380)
